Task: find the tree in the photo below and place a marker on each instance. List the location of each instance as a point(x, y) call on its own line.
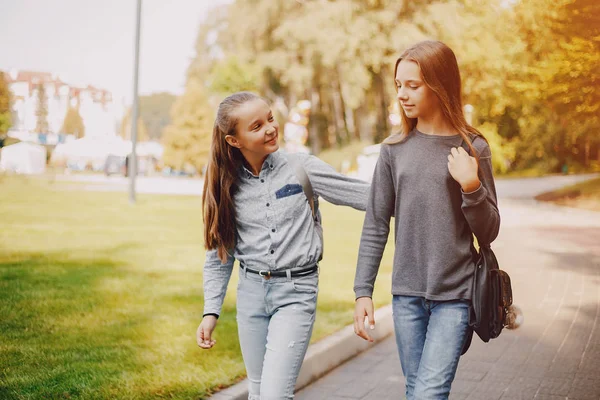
point(5, 105)
point(537, 100)
point(154, 110)
point(187, 139)
point(560, 82)
point(41, 112)
point(73, 123)
point(142, 132)
point(231, 75)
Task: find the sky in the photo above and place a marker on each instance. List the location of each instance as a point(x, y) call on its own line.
point(93, 41)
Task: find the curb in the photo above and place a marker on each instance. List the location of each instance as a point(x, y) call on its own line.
point(325, 355)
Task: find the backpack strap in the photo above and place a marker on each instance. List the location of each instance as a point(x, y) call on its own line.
point(465, 146)
point(304, 180)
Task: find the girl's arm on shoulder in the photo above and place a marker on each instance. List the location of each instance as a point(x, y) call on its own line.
point(480, 207)
point(216, 278)
point(376, 227)
point(334, 187)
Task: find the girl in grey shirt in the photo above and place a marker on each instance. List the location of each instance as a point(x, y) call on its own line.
point(255, 211)
point(440, 195)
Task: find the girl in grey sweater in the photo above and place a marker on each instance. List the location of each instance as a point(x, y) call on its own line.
point(440, 195)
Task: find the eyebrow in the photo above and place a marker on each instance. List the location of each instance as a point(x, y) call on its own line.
point(259, 119)
point(409, 81)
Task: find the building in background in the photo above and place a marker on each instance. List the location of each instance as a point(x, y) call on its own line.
point(95, 105)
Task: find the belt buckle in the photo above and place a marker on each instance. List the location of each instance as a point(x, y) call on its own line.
point(265, 274)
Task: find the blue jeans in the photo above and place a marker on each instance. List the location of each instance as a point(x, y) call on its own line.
point(275, 320)
point(430, 336)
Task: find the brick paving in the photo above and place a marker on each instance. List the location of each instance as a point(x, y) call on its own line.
point(553, 257)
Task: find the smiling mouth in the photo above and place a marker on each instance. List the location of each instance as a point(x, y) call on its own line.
point(408, 105)
point(272, 141)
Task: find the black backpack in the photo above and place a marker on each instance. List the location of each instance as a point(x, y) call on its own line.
point(491, 297)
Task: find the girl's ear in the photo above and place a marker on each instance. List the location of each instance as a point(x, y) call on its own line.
point(232, 141)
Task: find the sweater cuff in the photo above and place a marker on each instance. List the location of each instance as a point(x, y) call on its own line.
point(363, 292)
point(475, 197)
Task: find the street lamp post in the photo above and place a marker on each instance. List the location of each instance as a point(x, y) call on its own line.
point(135, 108)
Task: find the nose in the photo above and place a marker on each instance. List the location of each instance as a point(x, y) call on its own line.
point(401, 95)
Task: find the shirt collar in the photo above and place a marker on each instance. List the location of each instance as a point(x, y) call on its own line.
point(270, 163)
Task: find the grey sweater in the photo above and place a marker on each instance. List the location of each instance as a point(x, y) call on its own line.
point(434, 219)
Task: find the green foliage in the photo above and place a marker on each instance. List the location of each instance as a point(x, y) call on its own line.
point(187, 139)
point(503, 152)
point(538, 99)
point(155, 112)
point(5, 105)
point(142, 132)
point(73, 123)
point(231, 75)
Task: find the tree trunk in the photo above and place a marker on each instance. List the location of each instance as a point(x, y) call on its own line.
point(341, 134)
point(356, 123)
point(381, 127)
point(313, 132)
point(348, 124)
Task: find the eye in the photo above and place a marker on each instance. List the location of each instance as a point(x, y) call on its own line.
point(271, 118)
point(255, 127)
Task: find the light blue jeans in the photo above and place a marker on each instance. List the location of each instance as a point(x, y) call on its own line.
point(275, 319)
point(430, 336)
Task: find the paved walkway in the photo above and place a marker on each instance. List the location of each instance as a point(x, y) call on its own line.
point(553, 257)
point(513, 188)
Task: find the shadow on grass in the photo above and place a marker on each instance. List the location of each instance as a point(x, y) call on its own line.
point(51, 348)
point(98, 328)
point(95, 327)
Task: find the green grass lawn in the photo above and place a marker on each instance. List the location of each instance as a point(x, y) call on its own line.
point(582, 195)
point(101, 300)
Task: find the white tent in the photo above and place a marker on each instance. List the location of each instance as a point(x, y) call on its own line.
point(23, 158)
point(90, 150)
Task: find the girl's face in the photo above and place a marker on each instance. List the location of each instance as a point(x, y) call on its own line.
point(257, 130)
point(416, 98)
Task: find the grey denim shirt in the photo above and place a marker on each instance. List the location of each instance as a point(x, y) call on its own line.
point(275, 228)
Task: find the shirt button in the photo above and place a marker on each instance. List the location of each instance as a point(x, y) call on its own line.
point(272, 251)
point(268, 204)
point(262, 181)
point(273, 230)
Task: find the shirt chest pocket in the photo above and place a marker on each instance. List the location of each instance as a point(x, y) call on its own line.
point(290, 201)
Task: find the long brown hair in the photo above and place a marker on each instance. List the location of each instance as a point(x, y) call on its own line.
point(441, 74)
point(218, 210)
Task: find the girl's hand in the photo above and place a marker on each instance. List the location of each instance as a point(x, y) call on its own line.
point(204, 332)
point(363, 308)
point(463, 169)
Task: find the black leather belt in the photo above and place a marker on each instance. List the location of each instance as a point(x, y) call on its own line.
point(267, 274)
